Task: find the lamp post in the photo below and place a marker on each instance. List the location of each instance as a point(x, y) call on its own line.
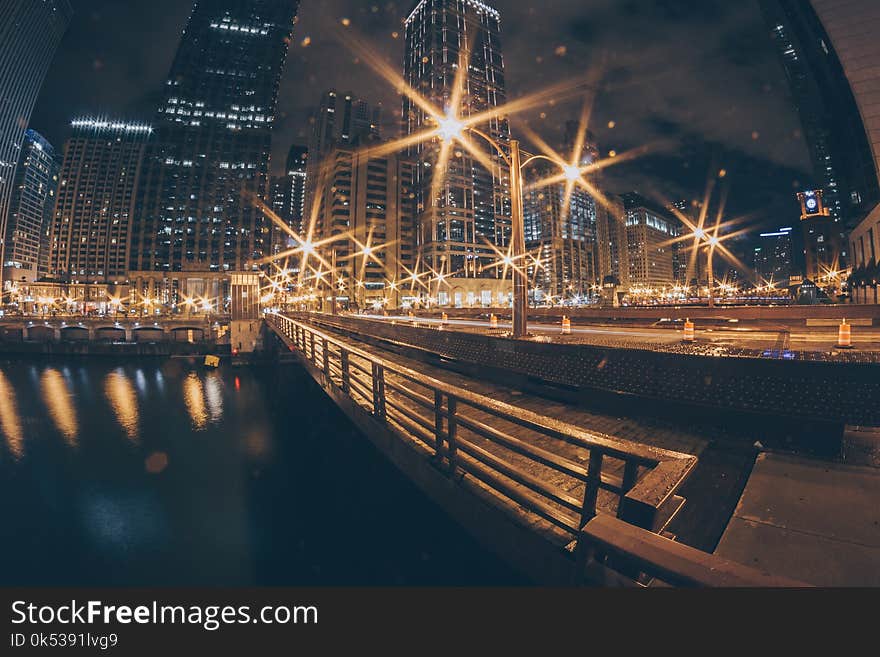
point(451, 129)
point(333, 275)
point(702, 237)
point(710, 264)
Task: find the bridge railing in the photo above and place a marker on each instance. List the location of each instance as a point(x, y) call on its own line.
point(507, 448)
point(609, 547)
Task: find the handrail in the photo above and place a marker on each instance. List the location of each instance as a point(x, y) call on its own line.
point(617, 551)
point(670, 562)
point(642, 500)
point(617, 448)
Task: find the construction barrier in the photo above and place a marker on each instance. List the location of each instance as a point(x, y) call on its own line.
point(566, 326)
point(493, 322)
point(844, 336)
point(689, 333)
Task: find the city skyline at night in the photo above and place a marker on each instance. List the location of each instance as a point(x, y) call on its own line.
point(389, 312)
point(758, 130)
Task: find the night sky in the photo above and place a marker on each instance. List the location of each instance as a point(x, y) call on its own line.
point(702, 76)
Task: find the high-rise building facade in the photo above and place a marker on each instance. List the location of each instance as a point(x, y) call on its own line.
point(30, 32)
point(31, 209)
point(469, 213)
point(367, 205)
point(341, 120)
point(829, 51)
point(344, 119)
point(774, 257)
point(612, 249)
point(89, 234)
point(651, 234)
point(207, 170)
point(821, 240)
point(563, 238)
point(851, 45)
point(289, 199)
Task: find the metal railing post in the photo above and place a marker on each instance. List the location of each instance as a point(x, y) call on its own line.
point(378, 391)
point(312, 340)
point(452, 432)
point(591, 490)
point(346, 372)
point(438, 423)
point(325, 351)
point(630, 477)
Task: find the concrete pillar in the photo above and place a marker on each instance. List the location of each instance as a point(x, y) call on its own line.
point(129, 334)
point(57, 334)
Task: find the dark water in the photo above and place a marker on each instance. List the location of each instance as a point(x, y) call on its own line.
point(161, 473)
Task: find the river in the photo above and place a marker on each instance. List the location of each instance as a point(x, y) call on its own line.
point(162, 473)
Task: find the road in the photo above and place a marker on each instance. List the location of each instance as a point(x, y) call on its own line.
point(803, 339)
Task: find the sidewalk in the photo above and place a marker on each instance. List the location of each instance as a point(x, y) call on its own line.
point(814, 521)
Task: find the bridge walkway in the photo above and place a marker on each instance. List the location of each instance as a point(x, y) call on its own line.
point(812, 520)
point(711, 492)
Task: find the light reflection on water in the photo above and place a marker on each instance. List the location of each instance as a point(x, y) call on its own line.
point(63, 391)
point(103, 484)
point(10, 421)
point(214, 396)
point(123, 400)
point(194, 397)
point(56, 396)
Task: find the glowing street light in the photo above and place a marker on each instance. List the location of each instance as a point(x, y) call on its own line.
point(572, 172)
point(450, 127)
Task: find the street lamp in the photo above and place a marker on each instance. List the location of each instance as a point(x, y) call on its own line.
point(334, 310)
point(452, 129)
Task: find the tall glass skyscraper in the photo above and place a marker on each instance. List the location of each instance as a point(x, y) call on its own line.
point(30, 31)
point(196, 207)
point(472, 206)
point(30, 212)
point(564, 236)
point(826, 49)
point(289, 198)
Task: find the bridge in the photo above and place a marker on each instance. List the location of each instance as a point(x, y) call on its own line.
point(110, 329)
point(565, 494)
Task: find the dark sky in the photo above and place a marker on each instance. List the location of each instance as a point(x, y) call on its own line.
point(701, 73)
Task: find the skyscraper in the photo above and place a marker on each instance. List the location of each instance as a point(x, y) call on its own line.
point(344, 119)
point(31, 209)
point(470, 213)
point(774, 258)
point(340, 121)
point(611, 236)
point(368, 205)
point(651, 234)
point(563, 236)
point(829, 51)
point(30, 31)
point(89, 235)
point(821, 240)
point(289, 198)
point(197, 203)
